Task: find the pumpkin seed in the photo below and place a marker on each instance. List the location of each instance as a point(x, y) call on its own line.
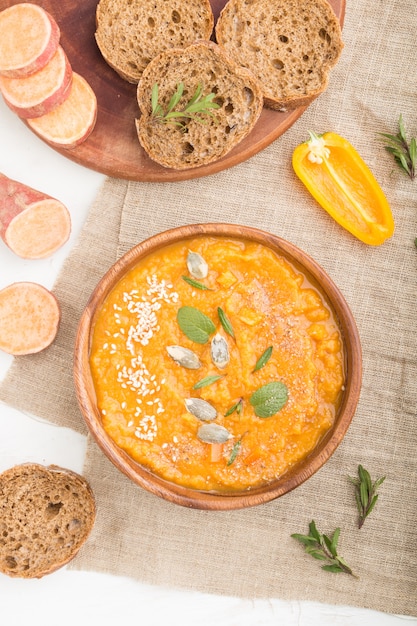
point(213, 433)
point(219, 351)
point(201, 409)
point(197, 266)
point(184, 357)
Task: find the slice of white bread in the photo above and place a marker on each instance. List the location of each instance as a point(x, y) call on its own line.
point(130, 34)
point(236, 91)
point(47, 514)
point(290, 46)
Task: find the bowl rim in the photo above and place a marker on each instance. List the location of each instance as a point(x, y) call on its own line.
point(301, 471)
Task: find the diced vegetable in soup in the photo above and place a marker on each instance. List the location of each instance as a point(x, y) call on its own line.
point(217, 364)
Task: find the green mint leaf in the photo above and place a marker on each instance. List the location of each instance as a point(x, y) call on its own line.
point(208, 380)
point(195, 283)
point(225, 322)
point(269, 399)
point(195, 324)
point(263, 359)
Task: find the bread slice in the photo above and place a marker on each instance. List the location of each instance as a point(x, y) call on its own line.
point(290, 46)
point(236, 92)
point(47, 514)
point(130, 34)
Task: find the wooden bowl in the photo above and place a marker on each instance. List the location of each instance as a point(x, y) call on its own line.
point(186, 496)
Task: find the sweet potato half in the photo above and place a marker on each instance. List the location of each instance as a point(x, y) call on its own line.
point(29, 318)
point(32, 224)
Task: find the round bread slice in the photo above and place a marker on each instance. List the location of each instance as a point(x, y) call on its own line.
point(290, 46)
point(47, 514)
point(130, 34)
point(196, 142)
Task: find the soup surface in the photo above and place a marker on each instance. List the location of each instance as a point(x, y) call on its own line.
point(257, 321)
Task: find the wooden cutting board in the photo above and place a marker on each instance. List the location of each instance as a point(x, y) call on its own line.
point(113, 148)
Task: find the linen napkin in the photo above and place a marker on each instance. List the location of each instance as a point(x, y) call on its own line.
point(250, 553)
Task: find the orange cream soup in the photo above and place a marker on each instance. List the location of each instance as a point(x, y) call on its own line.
point(141, 390)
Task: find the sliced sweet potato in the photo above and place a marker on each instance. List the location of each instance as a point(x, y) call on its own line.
point(33, 224)
point(29, 318)
point(29, 37)
point(39, 93)
point(70, 123)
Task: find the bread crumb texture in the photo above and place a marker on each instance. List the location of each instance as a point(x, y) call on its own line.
point(130, 34)
point(47, 514)
point(237, 92)
point(290, 45)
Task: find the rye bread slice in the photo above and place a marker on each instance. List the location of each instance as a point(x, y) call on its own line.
point(47, 514)
point(130, 34)
point(237, 93)
point(290, 46)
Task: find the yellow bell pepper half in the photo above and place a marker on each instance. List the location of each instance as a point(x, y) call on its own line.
point(342, 183)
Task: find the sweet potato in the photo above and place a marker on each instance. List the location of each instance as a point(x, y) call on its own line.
point(33, 224)
point(29, 318)
point(29, 37)
point(39, 93)
point(70, 123)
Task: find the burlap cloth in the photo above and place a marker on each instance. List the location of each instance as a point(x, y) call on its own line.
point(250, 553)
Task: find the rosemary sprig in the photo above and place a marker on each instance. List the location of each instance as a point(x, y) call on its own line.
point(404, 152)
point(324, 548)
point(195, 109)
point(365, 493)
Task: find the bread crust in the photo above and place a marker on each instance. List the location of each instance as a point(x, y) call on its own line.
point(290, 46)
point(130, 34)
point(237, 92)
point(47, 514)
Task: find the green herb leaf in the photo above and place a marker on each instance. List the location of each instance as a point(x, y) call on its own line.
point(195, 283)
point(313, 531)
point(208, 380)
point(225, 322)
point(269, 399)
point(195, 324)
point(323, 548)
point(235, 450)
point(196, 108)
point(236, 407)
point(335, 568)
point(263, 359)
point(404, 153)
point(365, 493)
point(154, 100)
